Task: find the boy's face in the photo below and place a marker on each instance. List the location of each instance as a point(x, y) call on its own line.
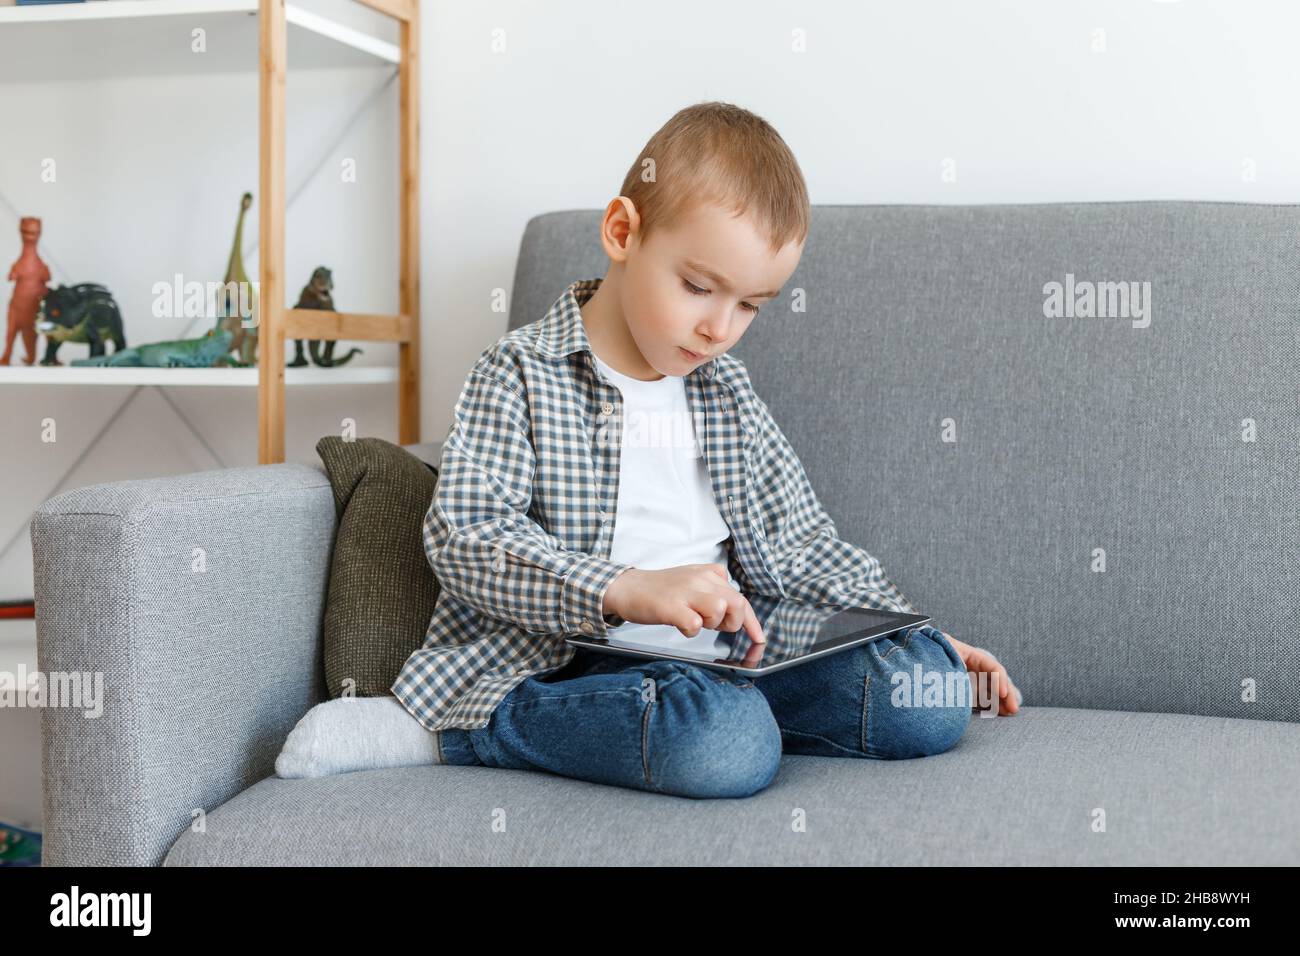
point(697, 286)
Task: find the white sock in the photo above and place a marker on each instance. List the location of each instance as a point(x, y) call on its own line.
point(356, 733)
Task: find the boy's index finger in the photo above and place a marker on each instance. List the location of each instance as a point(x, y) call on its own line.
point(754, 629)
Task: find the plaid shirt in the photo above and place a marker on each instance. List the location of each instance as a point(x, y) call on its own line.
point(522, 521)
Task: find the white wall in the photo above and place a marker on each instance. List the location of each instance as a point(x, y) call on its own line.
point(1183, 95)
point(1011, 90)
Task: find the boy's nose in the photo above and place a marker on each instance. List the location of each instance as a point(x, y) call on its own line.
point(716, 330)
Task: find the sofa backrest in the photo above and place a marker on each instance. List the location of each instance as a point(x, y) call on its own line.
point(1107, 501)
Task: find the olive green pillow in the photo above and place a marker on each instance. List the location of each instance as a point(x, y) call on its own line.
point(381, 588)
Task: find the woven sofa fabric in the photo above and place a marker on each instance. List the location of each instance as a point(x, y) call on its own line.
point(1073, 493)
point(198, 599)
point(1071, 435)
point(1059, 787)
point(381, 588)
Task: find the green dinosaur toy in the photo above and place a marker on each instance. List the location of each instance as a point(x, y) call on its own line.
point(206, 352)
point(19, 845)
point(317, 294)
point(243, 340)
point(83, 313)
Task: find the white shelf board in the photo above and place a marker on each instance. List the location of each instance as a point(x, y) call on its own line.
point(75, 41)
point(32, 375)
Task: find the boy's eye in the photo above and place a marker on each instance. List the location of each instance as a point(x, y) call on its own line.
point(696, 290)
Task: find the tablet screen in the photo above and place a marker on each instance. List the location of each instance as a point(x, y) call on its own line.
point(793, 629)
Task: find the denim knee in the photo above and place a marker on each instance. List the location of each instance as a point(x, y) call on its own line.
point(709, 734)
point(923, 706)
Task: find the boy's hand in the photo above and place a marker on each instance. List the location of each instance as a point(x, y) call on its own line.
point(979, 661)
point(689, 597)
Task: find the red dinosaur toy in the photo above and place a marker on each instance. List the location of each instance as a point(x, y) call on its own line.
point(29, 274)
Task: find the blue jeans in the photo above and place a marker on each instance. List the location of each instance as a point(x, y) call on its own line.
point(679, 728)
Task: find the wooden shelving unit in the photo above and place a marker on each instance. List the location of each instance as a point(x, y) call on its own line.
point(277, 322)
point(151, 37)
point(32, 37)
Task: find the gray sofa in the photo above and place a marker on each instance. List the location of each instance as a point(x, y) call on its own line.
point(1112, 509)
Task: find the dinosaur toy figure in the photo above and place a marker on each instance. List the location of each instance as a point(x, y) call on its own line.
point(243, 340)
point(80, 313)
point(316, 295)
point(206, 352)
point(29, 275)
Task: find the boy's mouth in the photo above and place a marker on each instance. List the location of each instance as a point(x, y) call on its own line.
point(694, 356)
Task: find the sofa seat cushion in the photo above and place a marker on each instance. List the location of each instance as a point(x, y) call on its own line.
point(1026, 789)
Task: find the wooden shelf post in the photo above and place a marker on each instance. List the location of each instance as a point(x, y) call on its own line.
point(408, 425)
point(273, 57)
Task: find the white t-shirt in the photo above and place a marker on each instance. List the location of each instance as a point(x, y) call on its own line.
point(665, 515)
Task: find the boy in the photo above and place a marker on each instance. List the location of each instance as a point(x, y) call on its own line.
point(549, 519)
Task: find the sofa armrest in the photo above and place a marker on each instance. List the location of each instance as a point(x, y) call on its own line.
point(190, 609)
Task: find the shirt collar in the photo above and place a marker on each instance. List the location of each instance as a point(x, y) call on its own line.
point(562, 333)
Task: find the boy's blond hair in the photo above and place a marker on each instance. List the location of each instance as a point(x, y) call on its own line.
point(722, 153)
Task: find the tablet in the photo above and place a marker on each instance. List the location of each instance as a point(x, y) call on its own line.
point(796, 632)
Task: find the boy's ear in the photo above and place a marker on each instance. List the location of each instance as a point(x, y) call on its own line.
point(620, 227)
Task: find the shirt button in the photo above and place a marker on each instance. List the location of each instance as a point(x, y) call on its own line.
point(604, 517)
point(607, 408)
point(588, 627)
